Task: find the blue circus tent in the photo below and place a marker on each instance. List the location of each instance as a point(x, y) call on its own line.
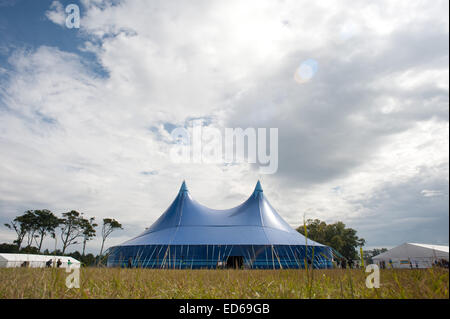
point(190, 235)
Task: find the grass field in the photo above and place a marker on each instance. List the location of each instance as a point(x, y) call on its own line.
point(152, 283)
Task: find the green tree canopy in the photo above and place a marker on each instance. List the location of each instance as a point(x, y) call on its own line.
point(336, 235)
point(88, 231)
point(21, 227)
point(369, 254)
point(72, 227)
point(109, 225)
point(8, 248)
point(25, 227)
point(44, 222)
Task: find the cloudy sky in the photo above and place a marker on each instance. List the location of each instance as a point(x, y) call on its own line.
point(359, 92)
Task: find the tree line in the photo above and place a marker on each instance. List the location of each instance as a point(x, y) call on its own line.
point(74, 228)
point(337, 236)
point(369, 254)
point(342, 239)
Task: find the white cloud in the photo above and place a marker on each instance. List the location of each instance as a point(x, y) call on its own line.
point(56, 13)
point(431, 193)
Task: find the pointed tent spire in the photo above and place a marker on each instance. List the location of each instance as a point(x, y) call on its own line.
point(258, 189)
point(183, 188)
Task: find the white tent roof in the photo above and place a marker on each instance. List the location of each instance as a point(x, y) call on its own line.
point(435, 247)
point(414, 251)
point(10, 260)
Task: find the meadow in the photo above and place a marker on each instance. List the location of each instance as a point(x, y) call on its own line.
point(268, 284)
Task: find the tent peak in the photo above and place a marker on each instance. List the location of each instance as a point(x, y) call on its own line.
point(258, 189)
point(183, 188)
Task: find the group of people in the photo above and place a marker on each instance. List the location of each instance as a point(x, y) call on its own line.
point(441, 263)
point(49, 263)
point(344, 263)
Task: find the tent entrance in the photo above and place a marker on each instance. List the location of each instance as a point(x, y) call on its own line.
point(235, 262)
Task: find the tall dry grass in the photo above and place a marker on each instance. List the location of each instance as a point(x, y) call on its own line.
point(154, 283)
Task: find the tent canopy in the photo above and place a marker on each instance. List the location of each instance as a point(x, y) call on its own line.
point(254, 222)
point(190, 235)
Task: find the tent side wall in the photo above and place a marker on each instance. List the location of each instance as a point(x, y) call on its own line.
point(35, 261)
point(406, 262)
point(409, 256)
point(214, 256)
point(3, 262)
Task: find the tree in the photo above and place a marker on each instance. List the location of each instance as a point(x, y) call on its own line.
point(377, 251)
point(88, 260)
point(30, 250)
point(29, 219)
point(109, 225)
point(8, 248)
point(336, 235)
point(71, 228)
point(44, 222)
point(369, 254)
point(88, 231)
point(25, 227)
point(21, 229)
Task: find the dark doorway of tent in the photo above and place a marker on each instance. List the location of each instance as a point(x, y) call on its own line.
point(235, 262)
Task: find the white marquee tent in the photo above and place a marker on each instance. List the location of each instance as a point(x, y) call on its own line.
point(412, 255)
point(35, 261)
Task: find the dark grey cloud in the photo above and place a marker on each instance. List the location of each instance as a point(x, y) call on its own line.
point(334, 123)
point(403, 213)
